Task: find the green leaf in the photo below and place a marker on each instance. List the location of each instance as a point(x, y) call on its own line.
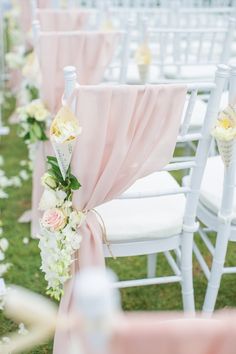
point(37, 131)
point(74, 183)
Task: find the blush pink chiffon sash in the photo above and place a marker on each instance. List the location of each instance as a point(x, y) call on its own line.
point(128, 132)
point(146, 333)
point(89, 52)
point(62, 20)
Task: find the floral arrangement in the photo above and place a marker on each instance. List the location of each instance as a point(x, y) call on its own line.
point(33, 122)
point(225, 133)
point(143, 58)
point(225, 128)
point(59, 238)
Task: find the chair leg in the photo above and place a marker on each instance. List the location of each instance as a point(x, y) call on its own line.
point(187, 272)
point(151, 265)
point(216, 269)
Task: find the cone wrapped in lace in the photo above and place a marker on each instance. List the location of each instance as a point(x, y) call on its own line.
point(63, 133)
point(225, 133)
point(143, 59)
point(226, 150)
point(143, 72)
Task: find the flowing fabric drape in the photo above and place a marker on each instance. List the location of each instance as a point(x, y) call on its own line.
point(89, 52)
point(127, 132)
point(62, 20)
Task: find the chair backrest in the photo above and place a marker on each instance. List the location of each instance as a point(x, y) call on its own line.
point(200, 46)
point(200, 3)
point(90, 52)
point(63, 19)
point(174, 49)
point(228, 189)
point(173, 16)
point(194, 163)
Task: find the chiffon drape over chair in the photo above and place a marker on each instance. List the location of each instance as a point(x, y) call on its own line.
point(127, 132)
point(62, 20)
point(89, 52)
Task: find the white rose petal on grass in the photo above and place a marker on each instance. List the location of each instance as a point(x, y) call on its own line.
point(4, 244)
point(24, 175)
point(22, 330)
point(23, 163)
point(25, 240)
point(2, 256)
point(4, 268)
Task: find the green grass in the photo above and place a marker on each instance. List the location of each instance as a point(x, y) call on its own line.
point(26, 261)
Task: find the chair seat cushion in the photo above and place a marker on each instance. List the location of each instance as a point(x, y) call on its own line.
point(145, 218)
point(212, 185)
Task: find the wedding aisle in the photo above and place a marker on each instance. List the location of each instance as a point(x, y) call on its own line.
point(107, 129)
point(23, 254)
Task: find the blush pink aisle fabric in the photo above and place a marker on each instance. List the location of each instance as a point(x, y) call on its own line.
point(89, 52)
point(170, 334)
point(166, 333)
point(44, 4)
point(62, 20)
point(127, 132)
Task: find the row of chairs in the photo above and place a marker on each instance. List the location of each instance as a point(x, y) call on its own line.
point(139, 3)
point(168, 236)
point(118, 212)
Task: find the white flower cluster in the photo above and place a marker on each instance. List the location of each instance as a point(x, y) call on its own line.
point(35, 109)
point(59, 238)
point(225, 128)
point(6, 182)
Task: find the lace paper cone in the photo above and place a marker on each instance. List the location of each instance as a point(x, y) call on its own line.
point(63, 154)
point(226, 150)
point(143, 72)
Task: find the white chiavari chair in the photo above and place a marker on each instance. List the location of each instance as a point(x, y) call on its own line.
point(158, 215)
point(185, 54)
point(216, 211)
point(200, 3)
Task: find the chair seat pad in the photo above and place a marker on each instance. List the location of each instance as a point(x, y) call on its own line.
point(212, 185)
point(145, 218)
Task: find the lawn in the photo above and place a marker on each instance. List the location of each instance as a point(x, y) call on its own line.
point(25, 258)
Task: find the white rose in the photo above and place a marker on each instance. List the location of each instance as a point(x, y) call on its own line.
point(61, 196)
point(76, 241)
point(76, 218)
point(48, 200)
point(4, 244)
point(48, 181)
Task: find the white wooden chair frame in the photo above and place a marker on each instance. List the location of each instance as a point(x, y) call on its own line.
point(182, 268)
point(200, 3)
point(221, 224)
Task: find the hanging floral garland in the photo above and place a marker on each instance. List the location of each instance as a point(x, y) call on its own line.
point(59, 238)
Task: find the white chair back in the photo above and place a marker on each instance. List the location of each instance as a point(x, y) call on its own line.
point(196, 165)
point(178, 53)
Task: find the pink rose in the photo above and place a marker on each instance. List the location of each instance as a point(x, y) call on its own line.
point(54, 219)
